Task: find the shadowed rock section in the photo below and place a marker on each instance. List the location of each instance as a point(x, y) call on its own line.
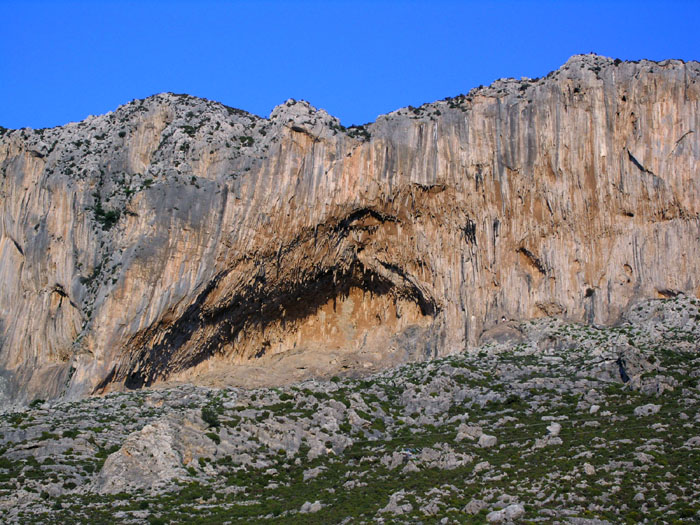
point(175, 236)
point(258, 319)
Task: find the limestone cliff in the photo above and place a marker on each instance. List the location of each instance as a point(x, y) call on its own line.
point(176, 235)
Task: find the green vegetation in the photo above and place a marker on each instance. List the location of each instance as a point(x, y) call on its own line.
point(107, 218)
point(210, 413)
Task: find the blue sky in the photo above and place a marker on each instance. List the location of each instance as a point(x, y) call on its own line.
point(61, 61)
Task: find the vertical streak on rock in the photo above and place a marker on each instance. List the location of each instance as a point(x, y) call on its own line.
point(176, 232)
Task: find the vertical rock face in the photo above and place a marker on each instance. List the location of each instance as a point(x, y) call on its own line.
point(177, 232)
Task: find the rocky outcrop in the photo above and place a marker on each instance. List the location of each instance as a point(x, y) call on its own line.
point(155, 455)
point(176, 236)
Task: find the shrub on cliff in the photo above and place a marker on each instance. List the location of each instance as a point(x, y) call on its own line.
point(210, 416)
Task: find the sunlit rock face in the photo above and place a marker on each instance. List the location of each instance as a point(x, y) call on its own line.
point(177, 237)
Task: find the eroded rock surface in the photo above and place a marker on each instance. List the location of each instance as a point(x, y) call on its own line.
point(155, 455)
point(175, 237)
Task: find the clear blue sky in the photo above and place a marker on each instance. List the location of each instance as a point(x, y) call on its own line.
point(61, 61)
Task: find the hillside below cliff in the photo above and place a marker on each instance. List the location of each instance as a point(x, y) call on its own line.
point(565, 424)
point(177, 239)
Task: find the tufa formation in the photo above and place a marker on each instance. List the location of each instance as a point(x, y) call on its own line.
point(177, 239)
